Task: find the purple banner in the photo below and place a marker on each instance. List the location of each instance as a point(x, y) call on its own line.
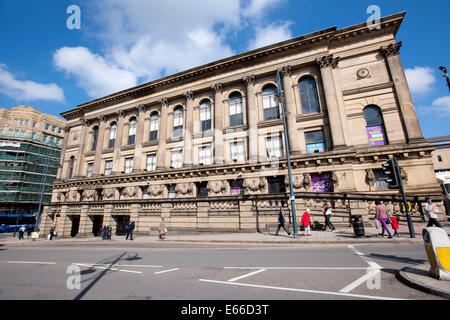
point(376, 136)
point(321, 182)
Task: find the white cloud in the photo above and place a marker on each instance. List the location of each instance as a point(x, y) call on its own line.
point(271, 34)
point(440, 107)
point(25, 90)
point(94, 74)
point(420, 79)
point(144, 40)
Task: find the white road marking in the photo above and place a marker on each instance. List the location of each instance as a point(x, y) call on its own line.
point(375, 267)
point(297, 268)
point(247, 275)
point(127, 265)
point(301, 290)
point(159, 272)
point(31, 262)
point(103, 267)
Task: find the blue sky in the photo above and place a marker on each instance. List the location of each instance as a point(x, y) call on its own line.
point(125, 43)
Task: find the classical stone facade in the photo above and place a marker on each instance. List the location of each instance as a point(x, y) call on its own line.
point(205, 148)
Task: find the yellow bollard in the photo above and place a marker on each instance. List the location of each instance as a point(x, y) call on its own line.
point(437, 247)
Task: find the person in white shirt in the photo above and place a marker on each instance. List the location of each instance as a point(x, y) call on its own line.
point(431, 212)
point(327, 215)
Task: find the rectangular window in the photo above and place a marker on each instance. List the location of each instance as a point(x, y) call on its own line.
point(237, 151)
point(131, 139)
point(274, 146)
point(154, 129)
point(53, 128)
point(26, 122)
point(128, 165)
point(276, 185)
point(151, 162)
point(172, 192)
point(21, 122)
point(145, 193)
point(90, 169)
point(315, 141)
point(202, 189)
point(47, 126)
point(271, 110)
point(176, 159)
point(236, 115)
point(108, 167)
point(439, 158)
point(45, 138)
point(380, 180)
point(204, 155)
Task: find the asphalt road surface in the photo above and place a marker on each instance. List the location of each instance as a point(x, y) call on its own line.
point(207, 272)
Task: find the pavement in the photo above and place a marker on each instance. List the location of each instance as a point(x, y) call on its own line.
point(417, 278)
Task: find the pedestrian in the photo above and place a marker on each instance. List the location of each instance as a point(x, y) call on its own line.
point(306, 222)
point(447, 206)
point(431, 212)
point(21, 232)
point(52, 231)
point(281, 222)
point(55, 233)
point(29, 231)
point(382, 216)
point(394, 224)
point(162, 229)
point(327, 214)
point(130, 228)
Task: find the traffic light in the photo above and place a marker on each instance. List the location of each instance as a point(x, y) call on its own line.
point(391, 173)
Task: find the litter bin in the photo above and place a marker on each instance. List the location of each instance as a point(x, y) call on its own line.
point(358, 225)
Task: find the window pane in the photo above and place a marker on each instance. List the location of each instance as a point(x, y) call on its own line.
point(236, 120)
point(274, 147)
point(373, 116)
point(108, 167)
point(237, 151)
point(308, 95)
point(128, 165)
point(314, 137)
point(177, 159)
point(151, 162)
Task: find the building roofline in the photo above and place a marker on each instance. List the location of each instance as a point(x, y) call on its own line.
point(330, 37)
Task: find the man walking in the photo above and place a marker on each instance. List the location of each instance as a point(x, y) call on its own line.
point(281, 222)
point(130, 228)
point(327, 214)
point(431, 211)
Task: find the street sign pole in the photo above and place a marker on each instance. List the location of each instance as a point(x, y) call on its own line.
point(282, 100)
point(407, 210)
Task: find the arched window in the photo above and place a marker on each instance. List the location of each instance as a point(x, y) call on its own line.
point(71, 165)
point(308, 95)
point(271, 110)
point(94, 138)
point(205, 115)
point(132, 131)
point(178, 122)
point(154, 124)
point(236, 113)
point(375, 126)
point(112, 135)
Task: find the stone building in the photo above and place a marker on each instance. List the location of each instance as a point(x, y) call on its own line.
point(30, 149)
point(205, 148)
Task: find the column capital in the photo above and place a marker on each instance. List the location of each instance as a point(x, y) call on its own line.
point(249, 80)
point(120, 114)
point(189, 95)
point(164, 102)
point(391, 50)
point(85, 122)
point(141, 108)
point(285, 71)
point(102, 118)
point(217, 88)
point(328, 61)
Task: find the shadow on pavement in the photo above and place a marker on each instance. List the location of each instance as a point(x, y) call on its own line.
point(111, 261)
point(397, 259)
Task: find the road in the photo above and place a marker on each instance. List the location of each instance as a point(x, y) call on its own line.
point(207, 272)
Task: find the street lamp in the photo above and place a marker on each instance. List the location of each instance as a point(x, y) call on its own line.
point(444, 70)
point(281, 99)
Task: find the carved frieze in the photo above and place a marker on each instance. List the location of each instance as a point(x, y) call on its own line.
point(185, 189)
point(255, 185)
point(108, 193)
point(217, 188)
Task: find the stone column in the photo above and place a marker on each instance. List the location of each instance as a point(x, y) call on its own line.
point(291, 112)
point(163, 121)
point(218, 123)
point(82, 148)
point(62, 163)
point(188, 129)
point(118, 141)
point(100, 140)
point(137, 160)
point(252, 116)
point(408, 112)
point(327, 64)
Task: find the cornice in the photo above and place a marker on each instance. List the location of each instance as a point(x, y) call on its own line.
point(331, 38)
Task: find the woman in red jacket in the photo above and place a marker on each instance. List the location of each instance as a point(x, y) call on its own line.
point(306, 223)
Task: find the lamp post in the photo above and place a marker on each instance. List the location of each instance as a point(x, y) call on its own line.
point(281, 99)
point(444, 70)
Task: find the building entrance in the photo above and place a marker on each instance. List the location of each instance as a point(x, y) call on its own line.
point(121, 222)
point(97, 222)
point(75, 225)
